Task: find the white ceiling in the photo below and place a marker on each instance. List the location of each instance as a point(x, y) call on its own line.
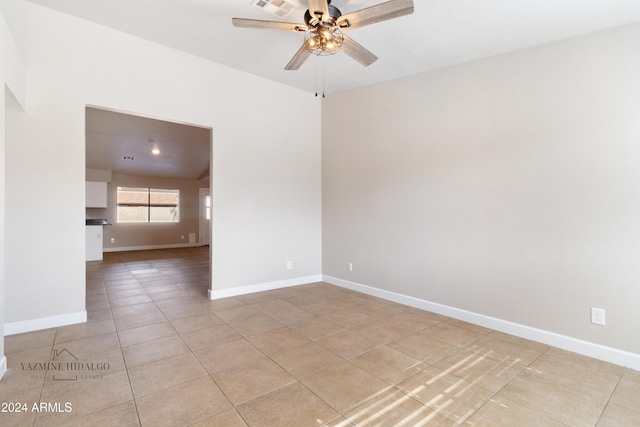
point(110, 136)
point(439, 33)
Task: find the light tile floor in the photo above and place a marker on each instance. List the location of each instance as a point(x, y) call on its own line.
point(157, 352)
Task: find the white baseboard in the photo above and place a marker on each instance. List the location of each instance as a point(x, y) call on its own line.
point(13, 328)
point(259, 287)
point(586, 348)
point(3, 366)
point(151, 247)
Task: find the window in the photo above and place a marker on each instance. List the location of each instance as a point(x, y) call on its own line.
point(148, 205)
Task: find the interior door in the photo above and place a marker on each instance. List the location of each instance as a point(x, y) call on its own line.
point(205, 216)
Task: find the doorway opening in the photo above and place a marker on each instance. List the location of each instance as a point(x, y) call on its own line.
point(133, 151)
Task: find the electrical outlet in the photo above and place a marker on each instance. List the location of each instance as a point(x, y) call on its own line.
point(597, 316)
point(350, 266)
point(289, 265)
point(113, 240)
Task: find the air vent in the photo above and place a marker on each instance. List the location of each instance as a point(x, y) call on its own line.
point(131, 158)
point(277, 8)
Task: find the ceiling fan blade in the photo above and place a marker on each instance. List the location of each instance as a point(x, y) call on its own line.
point(378, 13)
point(319, 7)
point(298, 59)
point(357, 52)
point(268, 25)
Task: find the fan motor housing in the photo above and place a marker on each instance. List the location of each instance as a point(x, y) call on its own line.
point(313, 22)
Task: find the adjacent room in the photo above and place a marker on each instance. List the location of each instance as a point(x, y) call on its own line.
point(345, 213)
point(147, 183)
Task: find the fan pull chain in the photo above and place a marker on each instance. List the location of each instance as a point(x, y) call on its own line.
point(323, 81)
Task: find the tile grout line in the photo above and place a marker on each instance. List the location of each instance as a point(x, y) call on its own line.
point(191, 351)
point(126, 366)
point(606, 405)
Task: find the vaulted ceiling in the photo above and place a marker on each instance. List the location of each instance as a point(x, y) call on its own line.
point(438, 34)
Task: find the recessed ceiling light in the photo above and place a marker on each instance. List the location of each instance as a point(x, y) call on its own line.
point(155, 151)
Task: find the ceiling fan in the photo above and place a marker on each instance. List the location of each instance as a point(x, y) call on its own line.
point(324, 26)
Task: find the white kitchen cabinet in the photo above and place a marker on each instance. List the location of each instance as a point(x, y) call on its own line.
point(96, 194)
point(93, 243)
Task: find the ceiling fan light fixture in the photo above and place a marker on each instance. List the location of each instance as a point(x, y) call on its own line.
point(323, 40)
point(323, 23)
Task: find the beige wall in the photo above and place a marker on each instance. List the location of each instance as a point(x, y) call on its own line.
point(151, 234)
point(12, 74)
point(506, 187)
